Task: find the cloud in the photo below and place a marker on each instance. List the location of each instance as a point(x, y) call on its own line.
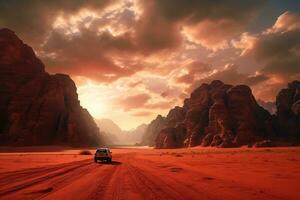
point(135, 83)
point(160, 105)
point(31, 19)
point(156, 84)
point(288, 21)
point(133, 102)
point(107, 40)
point(255, 79)
point(86, 54)
point(142, 114)
point(204, 22)
point(277, 50)
point(155, 34)
point(246, 42)
point(192, 72)
point(268, 90)
point(211, 34)
point(229, 74)
point(82, 38)
point(158, 47)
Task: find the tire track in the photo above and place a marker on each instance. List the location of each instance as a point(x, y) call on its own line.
point(33, 172)
point(52, 174)
point(102, 184)
point(171, 184)
point(204, 190)
point(120, 184)
point(156, 189)
point(117, 185)
point(60, 182)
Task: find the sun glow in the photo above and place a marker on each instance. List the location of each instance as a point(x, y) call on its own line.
point(91, 98)
point(95, 108)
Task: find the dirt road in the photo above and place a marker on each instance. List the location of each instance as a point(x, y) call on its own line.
point(151, 174)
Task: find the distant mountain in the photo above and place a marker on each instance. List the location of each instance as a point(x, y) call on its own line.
point(135, 136)
point(112, 134)
point(268, 105)
point(109, 126)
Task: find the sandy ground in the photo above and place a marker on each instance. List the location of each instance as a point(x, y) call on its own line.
point(195, 173)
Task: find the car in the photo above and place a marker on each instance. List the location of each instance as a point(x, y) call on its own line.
point(103, 154)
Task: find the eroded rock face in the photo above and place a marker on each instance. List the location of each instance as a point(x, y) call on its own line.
point(216, 114)
point(152, 131)
point(288, 111)
point(37, 108)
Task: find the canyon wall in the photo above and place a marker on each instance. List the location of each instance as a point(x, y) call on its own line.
point(37, 108)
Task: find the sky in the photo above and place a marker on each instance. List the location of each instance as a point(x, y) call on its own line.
point(134, 59)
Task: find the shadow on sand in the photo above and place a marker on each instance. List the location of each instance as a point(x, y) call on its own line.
point(112, 163)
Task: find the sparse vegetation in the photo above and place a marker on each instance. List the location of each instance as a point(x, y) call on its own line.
point(208, 178)
point(85, 152)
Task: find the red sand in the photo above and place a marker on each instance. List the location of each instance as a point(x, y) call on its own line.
point(195, 173)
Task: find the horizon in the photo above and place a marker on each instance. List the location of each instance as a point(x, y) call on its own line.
point(132, 60)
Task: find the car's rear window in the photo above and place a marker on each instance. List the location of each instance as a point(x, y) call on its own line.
point(101, 151)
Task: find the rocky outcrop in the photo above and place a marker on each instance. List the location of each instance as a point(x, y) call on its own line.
point(152, 131)
point(216, 114)
point(288, 111)
point(37, 108)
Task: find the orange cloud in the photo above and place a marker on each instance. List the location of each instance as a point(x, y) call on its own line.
point(133, 102)
point(194, 70)
point(288, 21)
point(142, 114)
point(245, 43)
point(160, 105)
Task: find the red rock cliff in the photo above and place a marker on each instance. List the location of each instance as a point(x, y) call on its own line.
point(288, 111)
point(37, 108)
point(152, 131)
point(216, 114)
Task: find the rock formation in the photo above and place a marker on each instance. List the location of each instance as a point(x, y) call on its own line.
point(152, 131)
point(288, 111)
point(37, 108)
point(216, 114)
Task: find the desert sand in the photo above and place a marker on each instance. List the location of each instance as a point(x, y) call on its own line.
point(144, 173)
